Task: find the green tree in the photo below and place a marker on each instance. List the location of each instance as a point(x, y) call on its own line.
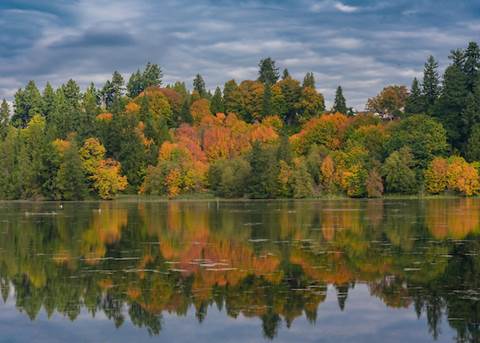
point(451, 104)
point(309, 80)
point(262, 180)
point(302, 184)
point(268, 72)
point(232, 98)
point(415, 101)
point(4, 119)
point(471, 64)
point(285, 74)
point(473, 146)
point(423, 135)
point(48, 101)
point(28, 102)
point(267, 100)
point(340, 104)
point(398, 173)
point(431, 83)
point(216, 104)
point(199, 86)
point(71, 180)
point(135, 84)
point(152, 76)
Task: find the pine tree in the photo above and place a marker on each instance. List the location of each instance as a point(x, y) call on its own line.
point(152, 76)
point(216, 104)
point(28, 102)
point(309, 81)
point(457, 57)
point(415, 102)
point(268, 72)
point(471, 64)
point(48, 101)
point(4, 119)
point(71, 180)
point(185, 114)
point(199, 86)
point(286, 74)
point(339, 104)
point(232, 98)
point(451, 104)
point(267, 100)
point(431, 83)
point(135, 85)
point(89, 111)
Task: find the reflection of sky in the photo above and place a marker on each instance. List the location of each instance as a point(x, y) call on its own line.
point(365, 319)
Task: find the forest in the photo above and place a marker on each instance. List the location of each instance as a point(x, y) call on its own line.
point(272, 137)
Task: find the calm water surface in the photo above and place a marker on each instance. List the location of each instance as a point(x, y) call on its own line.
point(313, 271)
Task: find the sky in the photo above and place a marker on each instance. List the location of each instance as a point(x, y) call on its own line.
point(362, 45)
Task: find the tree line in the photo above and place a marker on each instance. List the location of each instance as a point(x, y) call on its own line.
point(264, 138)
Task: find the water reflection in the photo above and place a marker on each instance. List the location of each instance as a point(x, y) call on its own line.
point(268, 260)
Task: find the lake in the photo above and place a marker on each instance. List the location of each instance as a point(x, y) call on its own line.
point(273, 271)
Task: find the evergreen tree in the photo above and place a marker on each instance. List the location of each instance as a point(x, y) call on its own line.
point(309, 80)
point(185, 114)
point(284, 152)
point(199, 86)
point(89, 111)
point(457, 57)
point(28, 102)
point(48, 101)
point(451, 104)
point(232, 97)
point(471, 64)
point(152, 76)
point(431, 83)
point(267, 100)
point(262, 182)
point(268, 72)
point(216, 104)
point(286, 74)
point(471, 114)
point(415, 102)
point(473, 146)
point(135, 85)
point(9, 173)
point(339, 104)
point(302, 181)
point(71, 180)
point(4, 119)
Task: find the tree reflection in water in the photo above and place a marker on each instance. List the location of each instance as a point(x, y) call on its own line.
point(269, 260)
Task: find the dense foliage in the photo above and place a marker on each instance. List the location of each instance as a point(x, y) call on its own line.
point(264, 138)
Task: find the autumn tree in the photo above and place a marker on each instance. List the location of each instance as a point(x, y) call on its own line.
point(390, 100)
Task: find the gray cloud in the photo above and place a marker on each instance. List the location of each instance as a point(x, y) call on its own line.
point(362, 45)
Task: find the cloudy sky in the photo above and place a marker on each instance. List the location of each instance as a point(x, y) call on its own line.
point(362, 45)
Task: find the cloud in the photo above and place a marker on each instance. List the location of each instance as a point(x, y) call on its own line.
point(345, 8)
point(361, 45)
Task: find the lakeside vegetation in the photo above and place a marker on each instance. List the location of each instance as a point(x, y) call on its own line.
point(265, 138)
